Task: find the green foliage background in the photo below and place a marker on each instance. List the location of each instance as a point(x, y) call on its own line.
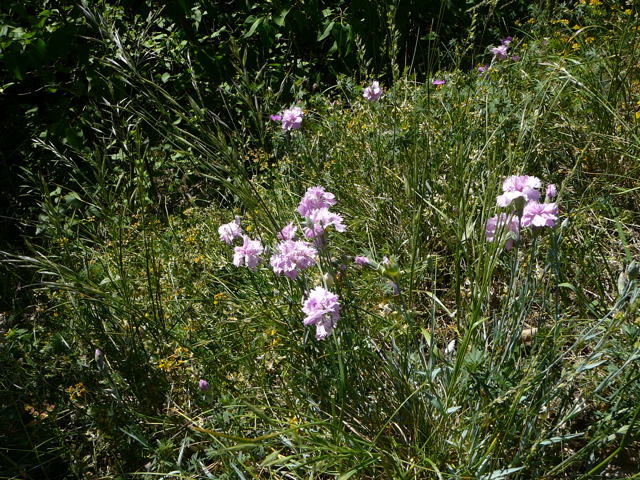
point(132, 130)
point(58, 84)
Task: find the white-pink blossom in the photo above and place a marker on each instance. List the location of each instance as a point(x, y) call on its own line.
point(540, 214)
point(230, 231)
point(320, 220)
point(248, 253)
point(292, 257)
point(315, 198)
point(373, 92)
point(322, 309)
point(519, 186)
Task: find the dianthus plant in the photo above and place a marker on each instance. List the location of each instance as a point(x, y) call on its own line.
point(521, 193)
point(291, 256)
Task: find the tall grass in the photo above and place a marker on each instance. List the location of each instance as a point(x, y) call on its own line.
point(487, 363)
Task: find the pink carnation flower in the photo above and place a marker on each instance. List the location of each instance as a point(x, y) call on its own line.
point(502, 223)
point(500, 52)
point(372, 93)
point(438, 82)
point(315, 198)
point(361, 260)
point(288, 232)
point(523, 186)
point(248, 254)
point(292, 257)
point(292, 118)
point(322, 309)
point(230, 231)
point(540, 214)
point(320, 220)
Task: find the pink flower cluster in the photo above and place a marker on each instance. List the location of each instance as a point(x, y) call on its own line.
point(501, 52)
point(321, 306)
point(522, 186)
point(291, 118)
point(320, 220)
point(373, 92)
point(322, 309)
point(523, 192)
point(315, 198)
point(293, 256)
point(230, 231)
point(248, 253)
point(314, 206)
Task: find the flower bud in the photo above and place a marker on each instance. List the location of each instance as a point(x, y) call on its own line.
point(99, 358)
point(551, 191)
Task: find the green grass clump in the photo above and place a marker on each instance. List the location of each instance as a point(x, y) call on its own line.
point(486, 363)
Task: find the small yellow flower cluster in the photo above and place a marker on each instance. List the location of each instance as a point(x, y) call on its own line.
point(76, 391)
point(218, 297)
point(275, 340)
point(179, 357)
point(260, 157)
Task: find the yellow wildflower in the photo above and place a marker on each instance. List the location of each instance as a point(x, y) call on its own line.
point(76, 391)
point(217, 297)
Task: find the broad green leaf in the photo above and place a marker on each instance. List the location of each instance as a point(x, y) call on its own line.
point(253, 28)
point(326, 32)
point(279, 19)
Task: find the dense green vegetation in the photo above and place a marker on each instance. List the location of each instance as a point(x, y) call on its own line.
point(131, 343)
